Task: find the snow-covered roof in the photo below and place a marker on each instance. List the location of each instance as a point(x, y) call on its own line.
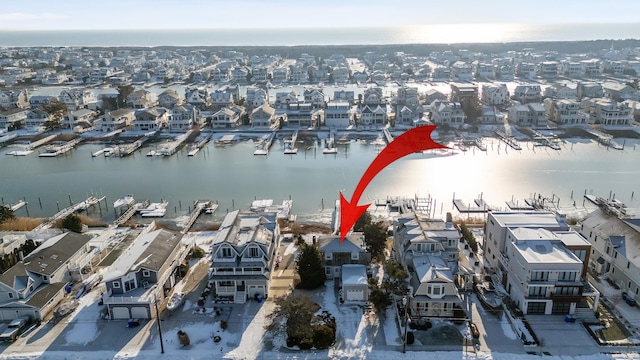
point(353, 274)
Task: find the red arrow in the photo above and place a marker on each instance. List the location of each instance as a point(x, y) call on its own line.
point(414, 140)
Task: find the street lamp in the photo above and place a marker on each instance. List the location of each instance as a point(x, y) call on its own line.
point(405, 304)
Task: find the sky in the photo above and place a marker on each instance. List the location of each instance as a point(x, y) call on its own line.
point(212, 14)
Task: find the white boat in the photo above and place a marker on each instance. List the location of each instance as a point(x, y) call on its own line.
point(98, 153)
point(152, 153)
point(331, 150)
point(154, 210)
point(124, 201)
point(175, 301)
point(20, 152)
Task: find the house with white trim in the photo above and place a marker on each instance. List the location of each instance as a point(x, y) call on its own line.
point(243, 256)
point(335, 254)
point(35, 285)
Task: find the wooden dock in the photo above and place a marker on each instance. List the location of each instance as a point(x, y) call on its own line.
point(38, 143)
point(199, 206)
point(509, 140)
point(56, 150)
point(604, 139)
point(479, 206)
point(83, 205)
point(128, 214)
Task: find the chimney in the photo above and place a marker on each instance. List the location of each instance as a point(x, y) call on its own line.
point(449, 221)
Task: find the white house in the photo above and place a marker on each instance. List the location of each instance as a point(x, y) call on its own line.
point(355, 287)
point(446, 112)
point(338, 115)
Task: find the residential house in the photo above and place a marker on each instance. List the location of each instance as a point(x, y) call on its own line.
point(548, 69)
point(221, 74)
point(532, 114)
point(82, 117)
point(490, 115)
point(283, 99)
point(608, 112)
point(567, 112)
point(78, 99)
point(13, 119)
point(526, 70)
point(543, 275)
point(335, 253)
point(592, 67)
point(338, 115)
point(35, 285)
point(408, 115)
point(459, 92)
point(243, 256)
point(373, 116)
point(299, 74)
point(182, 117)
point(446, 112)
point(408, 95)
point(198, 97)
point(615, 244)
point(115, 119)
point(143, 273)
point(303, 115)
point(495, 94)
point(280, 75)
point(227, 117)
point(527, 94)
point(37, 101)
point(495, 230)
point(483, 70)
point(224, 96)
point(570, 69)
point(428, 249)
point(560, 91)
point(589, 89)
point(344, 96)
point(240, 74)
point(169, 98)
point(432, 95)
point(256, 97)
point(36, 118)
point(441, 73)
point(460, 70)
point(340, 74)
point(140, 99)
point(619, 92)
point(151, 119)
point(315, 97)
point(264, 117)
point(360, 77)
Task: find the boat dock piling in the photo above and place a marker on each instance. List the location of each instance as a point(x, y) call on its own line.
point(509, 140)
point(199, 207)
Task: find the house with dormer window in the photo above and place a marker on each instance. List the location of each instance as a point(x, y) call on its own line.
point(151, 119)
point(35, 285)
point(143, 272)
point(243, 256)
point(140, 99)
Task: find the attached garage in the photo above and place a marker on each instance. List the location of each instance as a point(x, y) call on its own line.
point(120, 313)
point(354, 283)
point(140, 312)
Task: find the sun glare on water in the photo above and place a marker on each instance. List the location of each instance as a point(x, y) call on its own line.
point(459, 33)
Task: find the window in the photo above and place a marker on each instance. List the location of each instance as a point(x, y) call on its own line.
point(116, 285)
point(11, 294)
point(567, 276)
point(628, 263)
point(355, 256)
point(327, 270)
point(615, 254)
point(253, 252)
point(328, 256)
point(146, 273)
point(539, 276)
point(226, 252)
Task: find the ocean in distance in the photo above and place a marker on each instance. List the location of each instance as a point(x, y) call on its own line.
point(424, 34)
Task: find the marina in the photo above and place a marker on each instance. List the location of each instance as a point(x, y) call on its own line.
point(330, 146)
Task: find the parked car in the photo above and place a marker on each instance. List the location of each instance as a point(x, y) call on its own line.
point(15, 328)
point(629, 299)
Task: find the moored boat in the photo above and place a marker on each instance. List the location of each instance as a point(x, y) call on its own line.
point(488, 297)
point(124, 201)
point(175, 301)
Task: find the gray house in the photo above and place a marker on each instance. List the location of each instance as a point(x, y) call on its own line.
point(143, 272)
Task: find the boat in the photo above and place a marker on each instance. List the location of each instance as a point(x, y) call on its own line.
point(474, 330)
point(489, 297)
point(175, 301)
point(16, 205)
point(124, 201)
point(98, 153)
point(154, 210)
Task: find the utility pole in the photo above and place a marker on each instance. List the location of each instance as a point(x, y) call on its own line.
point(155, 301)
point(405, 304)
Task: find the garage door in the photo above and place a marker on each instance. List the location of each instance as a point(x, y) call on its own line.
point(119, 313)
point(139, 312)
point(355, 295)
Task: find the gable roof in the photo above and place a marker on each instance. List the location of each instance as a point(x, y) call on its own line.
point(54, 253)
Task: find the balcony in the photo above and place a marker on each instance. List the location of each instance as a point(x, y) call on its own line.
point(565, 298)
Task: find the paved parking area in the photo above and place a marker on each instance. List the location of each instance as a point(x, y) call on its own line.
point(569, 338)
